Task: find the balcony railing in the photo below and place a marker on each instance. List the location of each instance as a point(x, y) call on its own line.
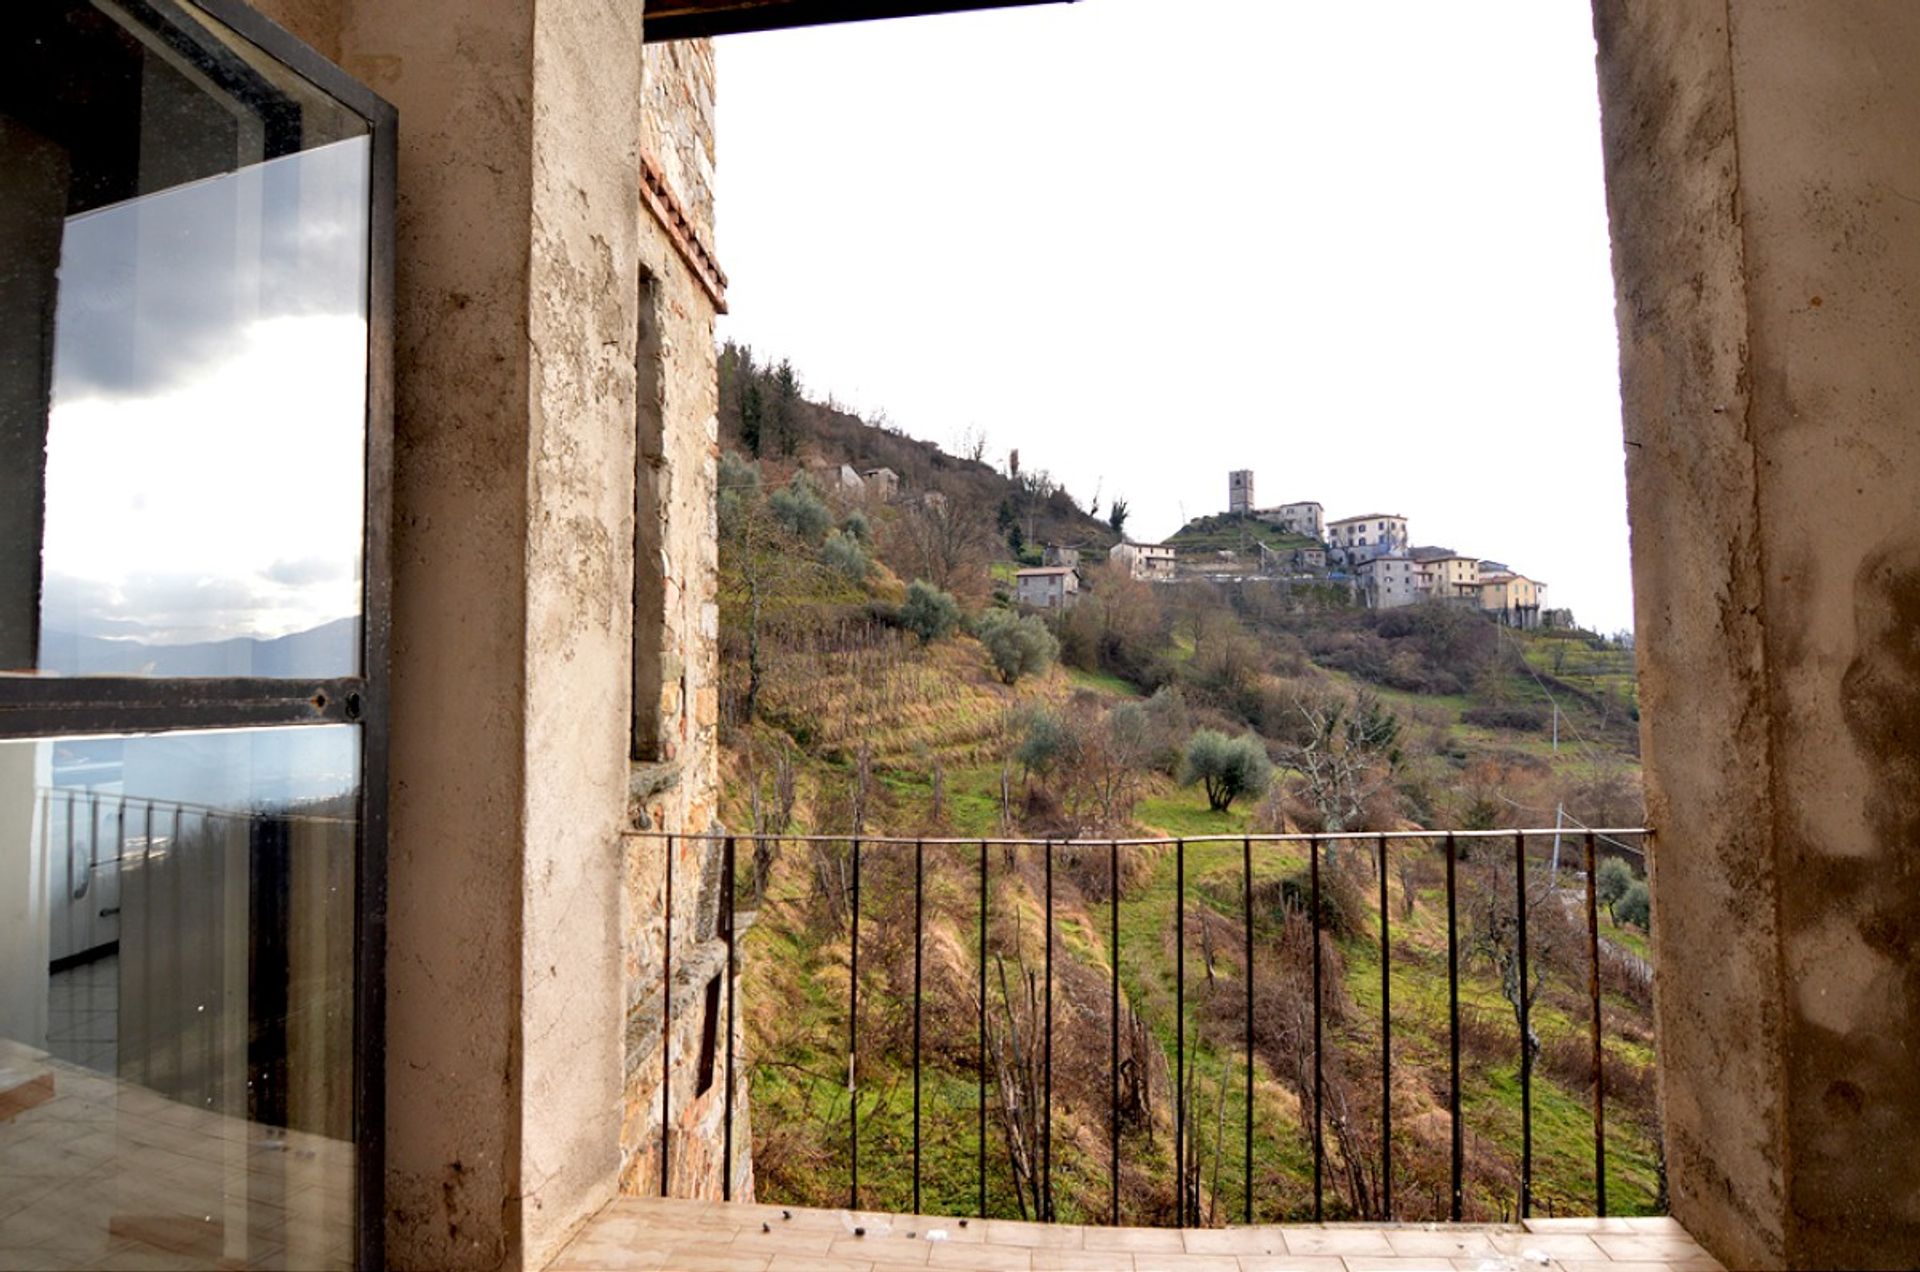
point(1500, 855)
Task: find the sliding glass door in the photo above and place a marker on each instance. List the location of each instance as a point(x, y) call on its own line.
point(195, 263)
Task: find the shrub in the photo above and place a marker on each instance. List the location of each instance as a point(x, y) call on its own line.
point(1523, 718)
point(856, 526)
point(1613, 878)
point(1020, 645)
point(800, 509)
point(843, 554)
point(929, 613)
point(739, 484)
point(1636, 907)
point(1042, 742)
point(1226, 767)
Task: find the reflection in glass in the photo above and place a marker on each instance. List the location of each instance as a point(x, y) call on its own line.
point(183, 269)
point(176, 1005)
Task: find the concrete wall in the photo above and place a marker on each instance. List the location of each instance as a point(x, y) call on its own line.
point(1761, 164)
point(519, 911)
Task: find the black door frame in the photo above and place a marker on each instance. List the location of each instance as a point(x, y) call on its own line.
point(32, 707)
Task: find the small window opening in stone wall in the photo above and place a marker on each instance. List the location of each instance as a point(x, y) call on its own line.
point(649, 529)
point(709, 1037)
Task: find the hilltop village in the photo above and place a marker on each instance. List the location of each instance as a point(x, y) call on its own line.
point(1372, 555)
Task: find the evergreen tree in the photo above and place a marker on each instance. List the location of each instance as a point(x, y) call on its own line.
point(785, 413)
point(753, 413)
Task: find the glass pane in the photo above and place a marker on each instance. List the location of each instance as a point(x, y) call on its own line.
point(184, 239)
point(176, 998)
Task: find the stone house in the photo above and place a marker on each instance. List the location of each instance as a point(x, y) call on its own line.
point(1388, 582)
point(1050, 587)
point(1512, 598)
point(1453, 577)
point(882, 484)
point(1153, 563)
point(1308, 518)
point(1058, 554)
point(1360, 539)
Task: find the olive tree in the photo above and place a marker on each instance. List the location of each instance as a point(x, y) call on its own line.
point(1227, 767)
point(929, 613)
point(1019, 644)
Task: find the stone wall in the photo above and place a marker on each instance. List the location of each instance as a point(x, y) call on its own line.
point(1760, 160)
point(677, 792)
point(555, 380)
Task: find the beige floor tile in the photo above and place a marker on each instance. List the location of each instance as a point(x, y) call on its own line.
point(715, 1256)
point(815, 1263)
point(1402, 1263)
point(1444, 1243)
point(993, 1258)
point(784, 1240)
point(1056, 1236)
point(1555, 1245)
point(1292, 1263)
point(1045, 1260)
point(586, 1255)
point(1236, 1241)
point(1339, 1239)
point(1648, 1249)
point(1151, 1262)
point(21, 1260)
point(888, 1251)
point(1628, 1265)
point(1587, 1226)
point(1135, 1240)
point(1656, 1225)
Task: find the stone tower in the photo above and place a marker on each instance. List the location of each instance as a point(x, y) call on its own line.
point(1240, 491)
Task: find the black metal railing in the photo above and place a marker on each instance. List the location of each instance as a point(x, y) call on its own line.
point(1592, 843)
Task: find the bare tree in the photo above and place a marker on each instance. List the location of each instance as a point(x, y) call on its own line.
point(1494, 933)
point(1346, 756)
point(1019, 1075)
point(949, 541)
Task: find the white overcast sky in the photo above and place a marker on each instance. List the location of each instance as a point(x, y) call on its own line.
point(1360, 248)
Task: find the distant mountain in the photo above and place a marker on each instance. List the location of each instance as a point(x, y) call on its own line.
point(332, 649)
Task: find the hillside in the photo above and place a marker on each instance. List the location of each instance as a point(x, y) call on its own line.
point(765, 414)
point(1235, 532)
point(846, 714)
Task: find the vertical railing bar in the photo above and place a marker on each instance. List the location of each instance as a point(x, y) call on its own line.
point(1113, 1026)
point(210, 971)
point(919, 943)
point(93, 842)
point(853, 1042)
point(1319, 1141)
point(1246, 896)
point(1453, 1033)
point(1526, 1031)
point(666, 1022)
point(982, 1146)
point(1046, 1121)
point(727, 917)
point(1599, 1055)
point(146, 947)
point(1180, 1032)
point(1386, 1045)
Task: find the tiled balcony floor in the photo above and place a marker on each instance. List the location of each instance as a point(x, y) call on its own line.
point(707, 1236)
point(100, 1173)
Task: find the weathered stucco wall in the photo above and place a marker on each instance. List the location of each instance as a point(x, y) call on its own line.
point(679, 792)
point(1760, 163)
point(520, 916)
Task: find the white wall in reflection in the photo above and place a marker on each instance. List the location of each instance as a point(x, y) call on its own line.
point(205, 455)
